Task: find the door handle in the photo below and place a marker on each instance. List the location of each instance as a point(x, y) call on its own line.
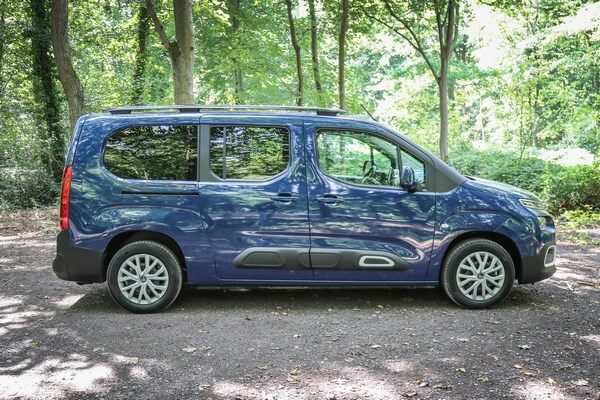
point(329, 199)
point(285, 198)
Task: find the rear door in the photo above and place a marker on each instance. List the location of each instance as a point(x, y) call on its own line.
point(364, 226)
point(253, 193)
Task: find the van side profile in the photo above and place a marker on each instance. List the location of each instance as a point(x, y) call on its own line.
point(154, 198)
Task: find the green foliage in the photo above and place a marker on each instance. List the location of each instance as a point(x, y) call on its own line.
point(581, 218)
point(502, 166)
point(26, 188)
point(562, 188)
point(572, 188)
point(523, 75)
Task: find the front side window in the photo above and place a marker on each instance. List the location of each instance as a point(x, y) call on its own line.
point(153, 153)
point(248, 152)
point(364, 159)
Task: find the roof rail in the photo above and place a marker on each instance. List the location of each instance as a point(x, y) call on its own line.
point(223, 107)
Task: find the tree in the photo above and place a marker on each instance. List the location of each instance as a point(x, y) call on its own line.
point(297, 52)
point(141, 56)
point(62, 57)
point(44, 88)
point(344, 10)
point(413, 21)
point(181, 50)
point(233, 9)
point(314, 50)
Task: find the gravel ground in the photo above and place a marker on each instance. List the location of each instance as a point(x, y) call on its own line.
point(59, 340)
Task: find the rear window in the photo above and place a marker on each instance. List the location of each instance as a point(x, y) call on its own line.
point(248, 152)
point(153, 153)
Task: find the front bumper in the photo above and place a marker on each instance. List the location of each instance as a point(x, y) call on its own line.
point(541, 266)
point(77, 264)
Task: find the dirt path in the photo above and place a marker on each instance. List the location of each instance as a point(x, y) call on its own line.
point(59, 340)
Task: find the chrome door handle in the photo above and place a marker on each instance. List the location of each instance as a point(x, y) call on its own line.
point(329, 199)
point(285, 198)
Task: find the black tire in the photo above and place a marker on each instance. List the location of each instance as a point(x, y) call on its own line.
point(451, 265)
point(162, 253)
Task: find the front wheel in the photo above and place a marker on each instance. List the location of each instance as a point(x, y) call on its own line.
point(144, 277)
point(478, 273)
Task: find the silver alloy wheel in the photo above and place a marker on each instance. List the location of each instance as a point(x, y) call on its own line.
point(480, 276)
point(143, 279)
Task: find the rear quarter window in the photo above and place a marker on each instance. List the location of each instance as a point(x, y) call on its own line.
point(153, 152)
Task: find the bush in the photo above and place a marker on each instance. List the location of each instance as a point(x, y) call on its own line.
point(501, 166)
point(563, 188)
point(572, 188)
point(21, 188)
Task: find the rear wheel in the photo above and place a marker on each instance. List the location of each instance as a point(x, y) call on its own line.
point(478, 273)
point(144, 277)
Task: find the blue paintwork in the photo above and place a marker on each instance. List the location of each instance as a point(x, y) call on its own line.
point(212, 222)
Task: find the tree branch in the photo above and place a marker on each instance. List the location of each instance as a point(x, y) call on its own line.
point(158, 27)
point(415, 42)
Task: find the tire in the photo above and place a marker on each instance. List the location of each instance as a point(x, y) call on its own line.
point(144, 277)
point(486, 272)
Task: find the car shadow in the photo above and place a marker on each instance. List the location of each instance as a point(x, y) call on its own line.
point(303, 299)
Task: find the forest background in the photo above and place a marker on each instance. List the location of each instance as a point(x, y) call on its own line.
point(502, 89)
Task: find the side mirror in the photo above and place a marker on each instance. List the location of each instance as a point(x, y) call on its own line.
point(407, 179)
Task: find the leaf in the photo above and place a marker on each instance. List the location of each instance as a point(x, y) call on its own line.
point(518, 366)
point(443, 386)
point(524, 346)
point(375, 346)
point(127, 360)
point(410, 394)
point(483, 379)
point(580, 382)
point(295, 371)
point(189, 349)
point(461, 370)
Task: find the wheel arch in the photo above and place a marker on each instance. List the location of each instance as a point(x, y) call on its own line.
point(127, 237)
point(507, 243)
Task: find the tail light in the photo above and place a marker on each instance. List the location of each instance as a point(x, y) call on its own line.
point(65, 194)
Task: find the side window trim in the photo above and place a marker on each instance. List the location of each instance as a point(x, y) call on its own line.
point(206, 174)
point(104, 167)
point(396, 143)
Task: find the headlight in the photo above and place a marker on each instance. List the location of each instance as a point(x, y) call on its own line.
point(533, 204)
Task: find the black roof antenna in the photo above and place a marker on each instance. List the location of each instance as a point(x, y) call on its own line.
point(368, 113)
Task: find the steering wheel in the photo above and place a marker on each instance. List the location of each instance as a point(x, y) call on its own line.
point(369, 170)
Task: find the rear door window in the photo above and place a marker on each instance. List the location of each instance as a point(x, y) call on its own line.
point(249, 152)
point(154, 152)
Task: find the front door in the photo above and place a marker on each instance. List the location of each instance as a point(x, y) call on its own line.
point(364, 226)
point(253, 193)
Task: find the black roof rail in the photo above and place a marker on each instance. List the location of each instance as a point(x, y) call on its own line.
point(223, 107)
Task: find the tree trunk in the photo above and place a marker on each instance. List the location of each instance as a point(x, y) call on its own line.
point(443, 92)
point(296, 46)
point(141, 55)
point(2, 47)
point(233, 9)
point(62, 56)
point(314, 48)
point(44, 89)
point(183, 64)
point(342, 54)
point(181, 51)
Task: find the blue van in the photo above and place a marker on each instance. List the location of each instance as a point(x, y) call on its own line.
point(157, 197)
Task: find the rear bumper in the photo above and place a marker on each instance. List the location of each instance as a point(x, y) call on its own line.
point(541, 266)
point(77, 264)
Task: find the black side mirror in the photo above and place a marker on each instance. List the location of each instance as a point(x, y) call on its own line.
point(407, 179)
